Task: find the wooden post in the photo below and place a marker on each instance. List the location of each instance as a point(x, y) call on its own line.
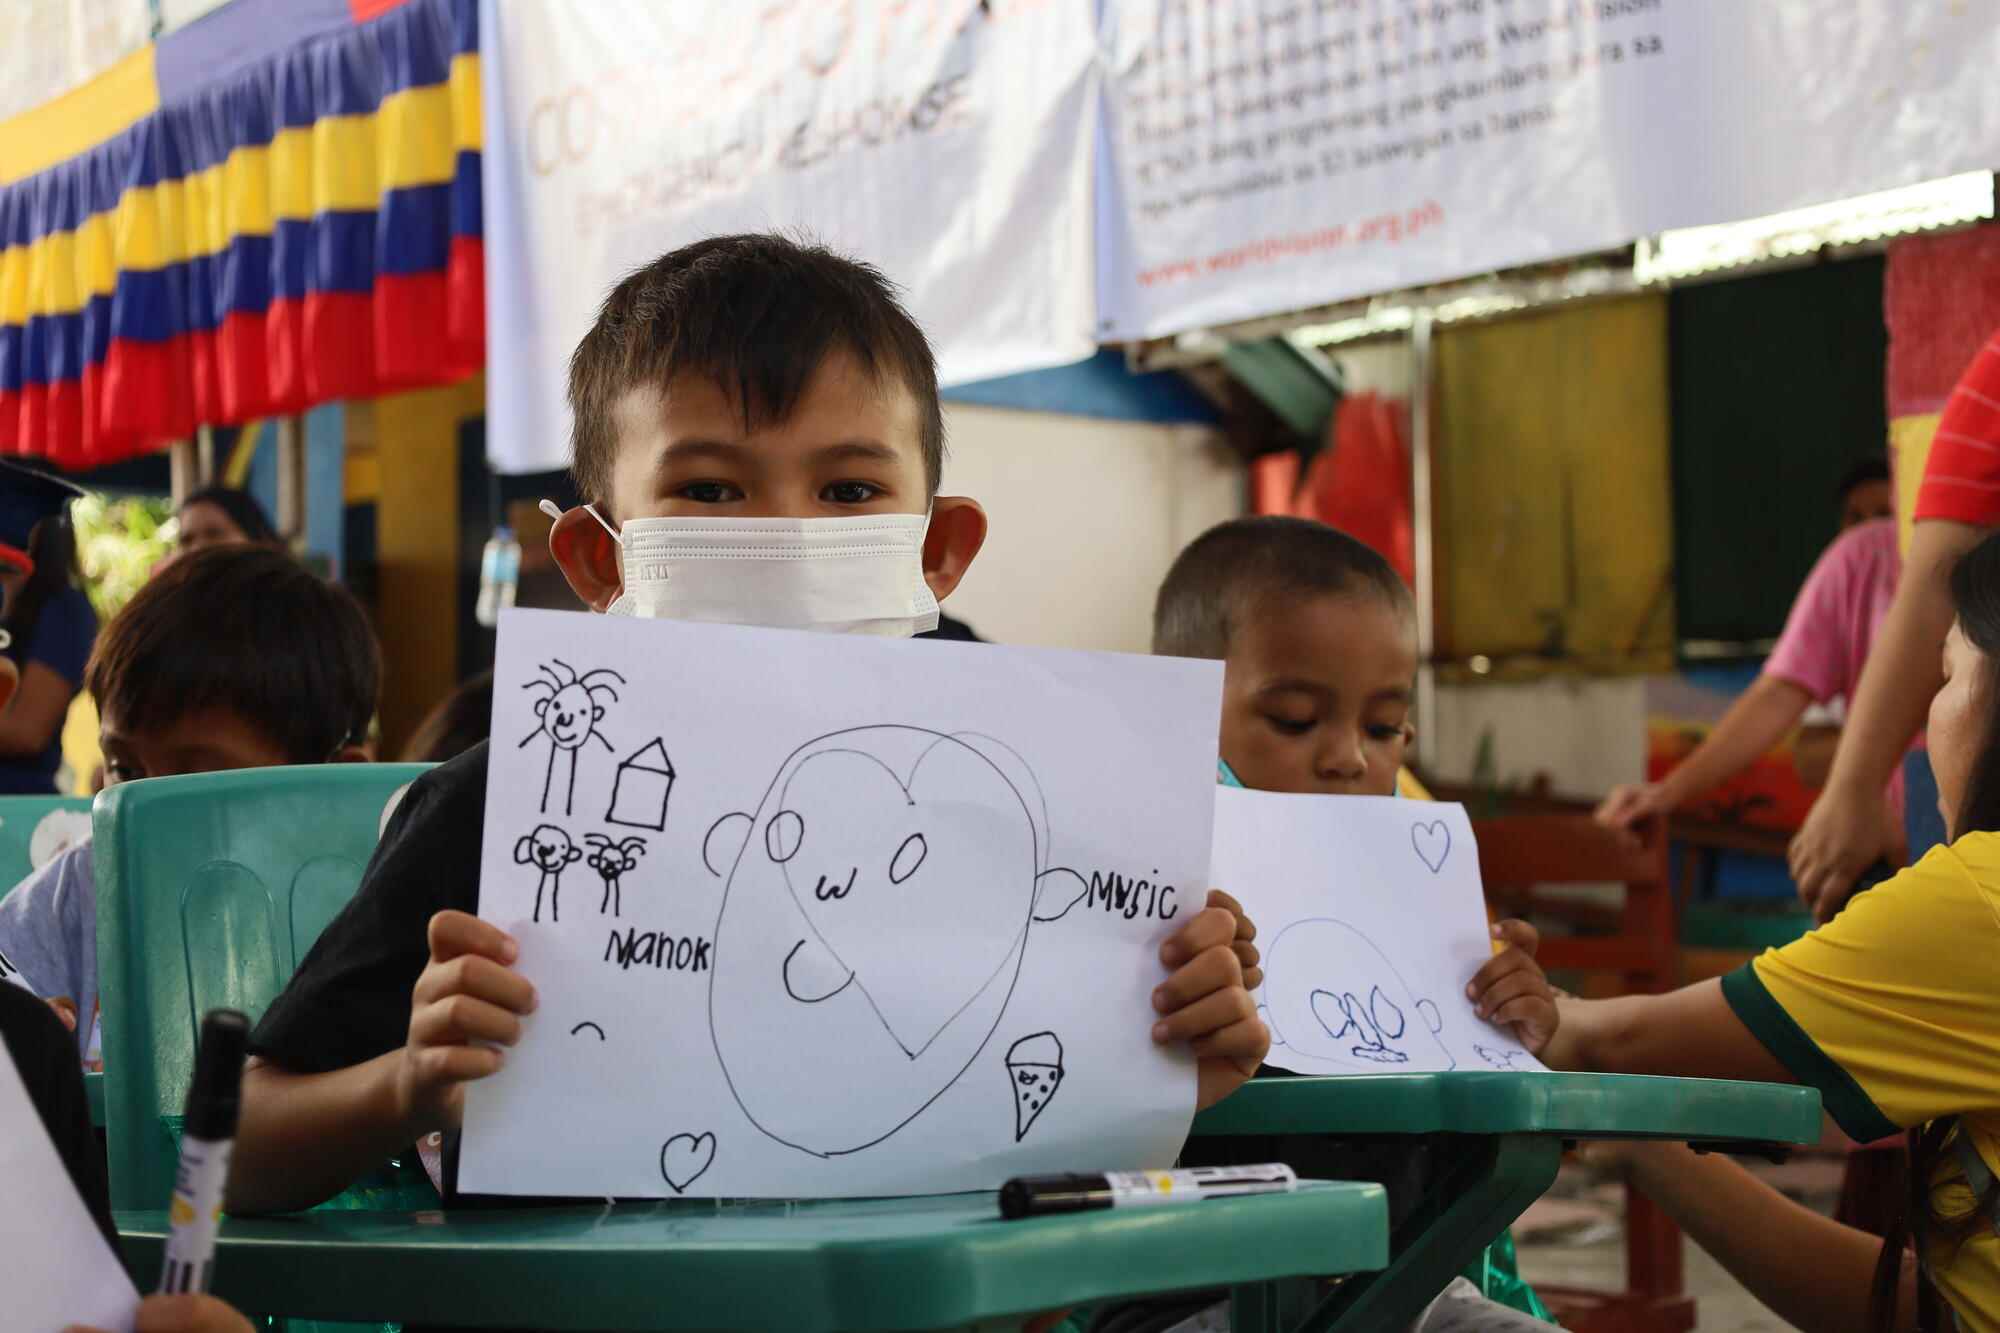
point(292, 481)
point(184, 464)
point(1422, 531)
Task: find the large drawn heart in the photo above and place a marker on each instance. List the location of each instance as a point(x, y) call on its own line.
point(917, 885)
point(684, 1158)
point(1432, 842)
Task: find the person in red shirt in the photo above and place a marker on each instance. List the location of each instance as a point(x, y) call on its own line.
point(1958, 503)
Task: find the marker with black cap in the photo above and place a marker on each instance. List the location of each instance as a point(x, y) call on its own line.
point(1039, 1196)
point(208, 1134)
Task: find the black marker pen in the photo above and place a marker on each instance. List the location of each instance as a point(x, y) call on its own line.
point(207, 1135)
point(1039, 1196)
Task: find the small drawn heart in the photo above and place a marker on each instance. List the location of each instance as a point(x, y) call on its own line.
point(683, 1159)
point(1432, 842)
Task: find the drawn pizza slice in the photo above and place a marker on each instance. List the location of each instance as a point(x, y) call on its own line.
point(1035, 1068)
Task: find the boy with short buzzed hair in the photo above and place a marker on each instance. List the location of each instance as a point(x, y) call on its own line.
point(1317, 636)
point(759, 441)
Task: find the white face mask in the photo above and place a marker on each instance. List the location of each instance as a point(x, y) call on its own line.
point(862, 575)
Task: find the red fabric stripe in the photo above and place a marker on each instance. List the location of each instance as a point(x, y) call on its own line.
point(338, 347)
point(284, 343)
point(465, 284)
point(62, 432)
point(410, 324)
point(148, 396)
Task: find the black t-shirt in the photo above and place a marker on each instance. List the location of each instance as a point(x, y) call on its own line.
point(45, 1054)
point(350, 999)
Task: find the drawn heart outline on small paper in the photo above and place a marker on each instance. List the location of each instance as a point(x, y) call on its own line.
point(1432, 842)
point(684, 1158)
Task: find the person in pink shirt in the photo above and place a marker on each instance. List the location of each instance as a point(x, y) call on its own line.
point(1827, 636)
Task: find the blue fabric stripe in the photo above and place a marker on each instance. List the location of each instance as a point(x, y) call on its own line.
point(416, 229)
point(415, 43)
point(239, 36)
point(468, 197)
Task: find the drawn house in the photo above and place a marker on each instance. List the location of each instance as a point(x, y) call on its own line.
point(644, 784)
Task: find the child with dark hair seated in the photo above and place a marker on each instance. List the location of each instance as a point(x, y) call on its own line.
point(233, 658)
point(751, 388)
point(1317, 636)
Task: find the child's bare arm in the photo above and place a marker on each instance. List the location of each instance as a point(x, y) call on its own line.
point(302, 1138)
point(306, 1137)
point(1512, 991)
point(1809, 1269)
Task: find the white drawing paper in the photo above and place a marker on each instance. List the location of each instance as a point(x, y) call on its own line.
point(824, 916)
point(1372, 920)
point(49, 1234)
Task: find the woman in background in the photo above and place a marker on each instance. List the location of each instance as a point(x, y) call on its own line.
point(221, 516)
point(49, 624)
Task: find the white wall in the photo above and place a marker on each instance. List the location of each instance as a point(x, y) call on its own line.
point(1087, 515)
point(1587, 733)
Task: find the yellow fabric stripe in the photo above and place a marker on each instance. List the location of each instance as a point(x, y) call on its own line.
point(80, 119)
point(468, 129)
point(1909, 449)
point(414, 135)
point(237, 471)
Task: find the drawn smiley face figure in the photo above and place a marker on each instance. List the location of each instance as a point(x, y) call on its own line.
point(569, 716)
point(1330, 993)
point(872, 928)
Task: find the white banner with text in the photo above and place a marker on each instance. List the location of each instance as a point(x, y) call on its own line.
point(1042, 176)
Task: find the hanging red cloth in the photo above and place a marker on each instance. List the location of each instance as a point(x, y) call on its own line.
point(1359, 483)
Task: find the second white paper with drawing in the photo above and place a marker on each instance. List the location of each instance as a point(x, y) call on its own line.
point(817, 916)
point(1372, 920)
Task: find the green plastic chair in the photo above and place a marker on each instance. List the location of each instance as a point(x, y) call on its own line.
point(19, 817)
point(210, 889)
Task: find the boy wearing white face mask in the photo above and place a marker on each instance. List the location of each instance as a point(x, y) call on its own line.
point(758, 435)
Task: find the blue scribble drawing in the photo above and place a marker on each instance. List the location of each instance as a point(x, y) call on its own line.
point(1432, 842)
point(1374, 1025)
point(1506, 1060)
point(1330, 994)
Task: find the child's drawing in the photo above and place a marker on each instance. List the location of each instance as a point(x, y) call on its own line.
point(1329, 992)
point(683, 1159)
point(1514, 1062)
point(549, 850)
point(1432, 842)
point(611, 860)
point(641, 788)
point(568, 715)
point(869, 840)
point(1034, 1071)
point(586, 1023)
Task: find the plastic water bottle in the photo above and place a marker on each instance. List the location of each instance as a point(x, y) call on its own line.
point(499, 576)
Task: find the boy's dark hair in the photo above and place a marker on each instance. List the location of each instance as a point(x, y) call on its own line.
point(1237, 564)
point(1874, 468)
point(250, 630)
point(758, 314)
point(242, 509)
point(461, 720)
